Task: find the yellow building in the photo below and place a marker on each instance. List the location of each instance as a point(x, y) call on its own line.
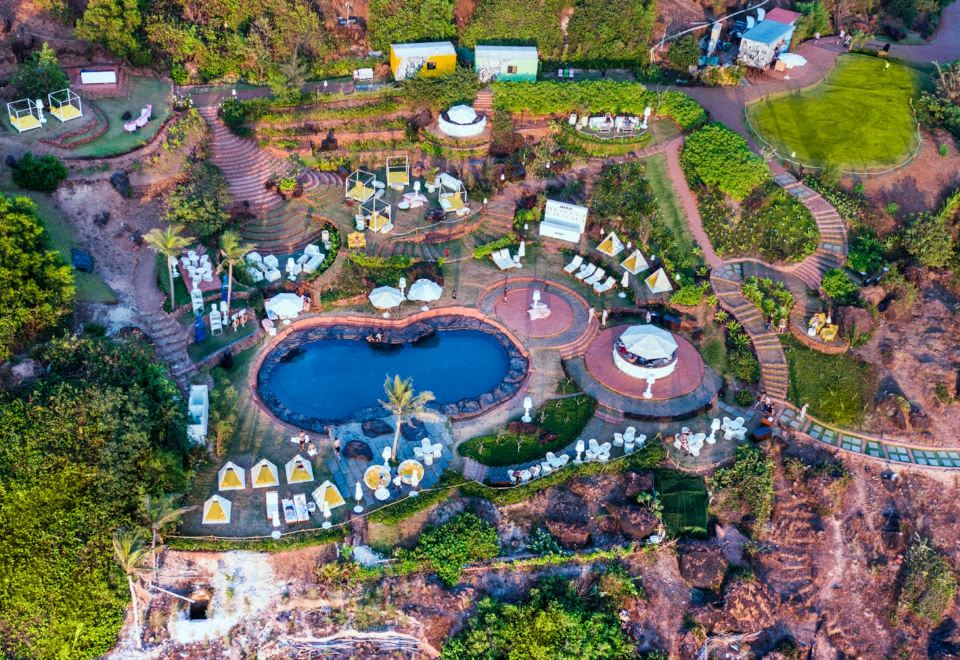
point(434, 58)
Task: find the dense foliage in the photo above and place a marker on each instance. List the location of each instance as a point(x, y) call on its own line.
point(402, 21)
point(104, 427)
point(554, 623)
point(684, 53)
point(596, 96)
point(36, 287)
point(748, 482)
point(839, 287)
point(928, 240)
point(928, 582)
point(40, 173)
point(441, 92)
point(719, 158)
point(942, 106)
point(112, 23)
point(533, 23)
point(39, 75)
point(446, 549)
point(814, 19)
point(772, 298)
point(200, 203)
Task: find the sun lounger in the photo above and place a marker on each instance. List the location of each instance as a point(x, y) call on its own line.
point(586, 272)
point(273, 505)
point(606, 286)
point(289, 511)
point(573, 265)
point(313, 262)
point(300, 504)
point(598, 275)
point(503, 259)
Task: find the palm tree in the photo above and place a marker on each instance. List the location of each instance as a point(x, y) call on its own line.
point(403, 403)
point(129, 550)
point(168, 242)
point(158, 512)
point(232, 252)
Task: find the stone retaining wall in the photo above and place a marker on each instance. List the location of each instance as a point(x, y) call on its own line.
point(833, 348)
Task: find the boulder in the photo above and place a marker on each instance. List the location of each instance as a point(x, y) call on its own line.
point(702, 565)
point(81, 260)
point(373, 428)
point(358, 450)
point(121, 183)
point(855, 320)
point(637, 524)
point(413, 431)
point(569, 535)
point(872, 295)
point(25, 372)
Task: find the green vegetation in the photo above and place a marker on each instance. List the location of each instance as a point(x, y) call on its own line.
point(770, 223)
point(561, 421)
point(857, 119)
point(441, 92)
point(40, 173)
point(814, 19)
point(446, 549)
point(839, 287)
point(772, 298)
point(929, 583)
point(485, 250)
point(747, 483)
point(395, 22)
point(928, 240)
point(112, 23)
point(684, 53)
point(399, 510)
point(838, 388)
point(36, 287)
point(201, 201)
point(690, 295)
point(684, 499)
point(503, 21)
point(39, 75)
point(942, 107)
point(719, 158)
point(556, 622)
point(103, 428)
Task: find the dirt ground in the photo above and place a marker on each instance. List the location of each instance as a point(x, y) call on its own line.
point(821, 578)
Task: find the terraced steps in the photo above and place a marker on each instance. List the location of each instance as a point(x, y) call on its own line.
point(170, 341)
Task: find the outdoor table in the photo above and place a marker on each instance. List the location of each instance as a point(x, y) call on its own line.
point(377, 479)
point(408, 469)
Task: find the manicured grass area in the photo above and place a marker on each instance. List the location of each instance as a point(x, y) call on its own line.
point(563, 418)
point(214, 343)
point(858, 118)
point(684, 499)
point(839, 388)
point(118, 141)
point(670, 210)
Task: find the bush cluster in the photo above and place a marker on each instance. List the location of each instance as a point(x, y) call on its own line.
point(40, 173)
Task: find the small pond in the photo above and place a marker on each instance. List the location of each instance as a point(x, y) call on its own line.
point(315, 376)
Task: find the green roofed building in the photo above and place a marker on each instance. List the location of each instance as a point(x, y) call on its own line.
point(506, 63)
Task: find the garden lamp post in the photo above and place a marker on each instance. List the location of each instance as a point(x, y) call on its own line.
point(579, 448)
point(326, 515)
point(358, 496)
point(527, 405)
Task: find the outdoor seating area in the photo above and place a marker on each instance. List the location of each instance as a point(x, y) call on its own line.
point(822, 326)
point(139, 122)
point(591, 275)
point(25, 115)
point(609, 126)
point(65, 104)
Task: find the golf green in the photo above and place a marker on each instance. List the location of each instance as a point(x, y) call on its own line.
point(858, 118)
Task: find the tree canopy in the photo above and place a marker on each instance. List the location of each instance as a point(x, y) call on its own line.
point(720, 158)
point(201, 202)
point(40, 74)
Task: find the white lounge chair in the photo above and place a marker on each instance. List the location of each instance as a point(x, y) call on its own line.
point(216, 323)
point(503, 259)
point(273, 506)
point(606, 286)
point(272, 275)
point(586, 271)
point(573, 265)
point(598, 275)
point(289, 511)
point(313, 263)
point(300, 504)
point(271, 261)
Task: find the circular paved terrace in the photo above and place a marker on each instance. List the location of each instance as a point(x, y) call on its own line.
point(512, 310)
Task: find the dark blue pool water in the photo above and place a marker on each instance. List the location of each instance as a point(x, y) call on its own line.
point(335, 379)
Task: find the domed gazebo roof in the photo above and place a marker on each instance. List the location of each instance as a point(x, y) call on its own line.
point(648, 342)
point(462, 114)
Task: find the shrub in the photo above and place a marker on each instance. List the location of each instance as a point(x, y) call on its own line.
point(744, 365)
point(744, 398)
point(447, 548)
point(929, 583)
point(41, 173)
point(927, 239)
point(720, 158)
point(684, 53)
point(201, 201)
point(402, 21)
point(749, 482)
point(866, 252)
point(772, 298)
point(374, 261)
point(943, 150)
point(839, 287)
point(542, 542)
point(39, 75)
point(487, 249)
point(690, 295)
point(441, 92)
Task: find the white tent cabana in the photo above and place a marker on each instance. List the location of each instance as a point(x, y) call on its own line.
point(299, 470)
point(65, 104)
point(24, 115)
point(216, 511)
point(611, 245)
point(398, 171)
point(284, 305)
point(563, 221)
point(264, 475)
point(386, 297)
point(453, 195)
point(658, 282)
point(378, 215)
point(635, 263)
point(649, 342)
point(329, 494)
point(359, 186)
point(231, 477)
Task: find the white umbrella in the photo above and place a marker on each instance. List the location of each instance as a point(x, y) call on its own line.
point(425, 290)
point(326, 515)
point(522, 250)
point(792, 59)
point(358, 496)
point(286, 305)
point(385, 297)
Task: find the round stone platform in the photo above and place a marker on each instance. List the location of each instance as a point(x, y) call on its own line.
point(512, 310)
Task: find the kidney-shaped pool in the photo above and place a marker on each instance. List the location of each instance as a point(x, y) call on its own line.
point(336, 373)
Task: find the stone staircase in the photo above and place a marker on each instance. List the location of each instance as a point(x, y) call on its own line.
point(579, 346)
point(170, 340)
point(484, 102)
point(474, 470)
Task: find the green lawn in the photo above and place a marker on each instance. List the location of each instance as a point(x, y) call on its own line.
point(565, 418)
point(670, 210)
point(858, 118)
point(839, 388)
point(214, 343)
point(116, 140)
point(685, 501)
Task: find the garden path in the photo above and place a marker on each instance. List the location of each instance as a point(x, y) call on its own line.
point(943, 47)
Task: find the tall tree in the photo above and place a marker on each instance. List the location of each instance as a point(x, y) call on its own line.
point(40, 74)
point(158, 512)
point(403, 403)
point(232, 252)
point(113, 23)
point(168, 242)
point(129, 551)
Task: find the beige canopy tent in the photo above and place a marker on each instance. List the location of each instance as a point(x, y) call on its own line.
point(359, 186)
point(327, 492)
point(231, 477)
point(635, 263)
point(611, 245)
point(658, 282)
point(264, 475)
point(398, 171)
point(216, 511)
point(299, 470)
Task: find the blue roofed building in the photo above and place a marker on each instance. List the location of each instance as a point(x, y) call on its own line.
point(761, 44)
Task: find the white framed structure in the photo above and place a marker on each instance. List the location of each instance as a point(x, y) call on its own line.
point(398, 172)
point(563, 221)
point(65, 104)
point(378, 214)
point(645, 352)
point(453, 194)
point(25, 115)
point(198, 411)
point(359, 186)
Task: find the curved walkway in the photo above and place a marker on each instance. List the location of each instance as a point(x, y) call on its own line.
point(943, 47)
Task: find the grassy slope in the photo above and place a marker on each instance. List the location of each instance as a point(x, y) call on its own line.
point(858, 118)
point(670, 209)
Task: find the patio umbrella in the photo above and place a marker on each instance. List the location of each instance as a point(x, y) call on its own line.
point(522, 250)
point(385, 297)
point(425, 290)
point(792, 59)
point(286, 305)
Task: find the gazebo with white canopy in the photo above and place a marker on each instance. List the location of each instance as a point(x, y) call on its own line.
point(646, 352)
point(386, 297)
point(424, 290)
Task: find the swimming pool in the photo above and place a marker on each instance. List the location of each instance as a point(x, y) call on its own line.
point(333, 374)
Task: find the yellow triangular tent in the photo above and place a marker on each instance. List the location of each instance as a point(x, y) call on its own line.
point(230, 479)
point(299, 473)
point(635, 263)
point(611, 245)
point(265, 476)
point(215, 513)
